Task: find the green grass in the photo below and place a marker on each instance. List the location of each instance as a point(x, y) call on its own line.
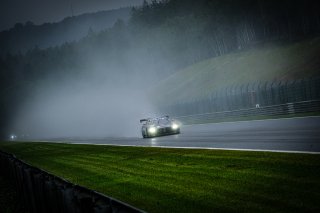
point(264, 63)
point(183, 180)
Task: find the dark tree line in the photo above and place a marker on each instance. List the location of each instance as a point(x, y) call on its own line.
point(174, 34)
point(25, 36)
point(223, 26)
point(160, 38)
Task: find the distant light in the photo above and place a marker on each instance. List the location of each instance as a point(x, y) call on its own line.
point(12, 137)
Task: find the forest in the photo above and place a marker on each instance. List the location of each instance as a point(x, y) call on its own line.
point(25, 36)
point(160, 38)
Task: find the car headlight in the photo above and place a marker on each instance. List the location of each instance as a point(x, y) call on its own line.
point(175, 126)
point(152, 130)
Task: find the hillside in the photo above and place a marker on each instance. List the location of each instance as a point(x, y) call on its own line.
point(159, 39)
point(23, 37)
point(265, 63)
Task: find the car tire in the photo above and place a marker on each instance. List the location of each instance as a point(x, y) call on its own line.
point(145, 135)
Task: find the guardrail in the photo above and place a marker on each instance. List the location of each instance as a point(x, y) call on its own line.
point(274, 110)
point(247, 96)
point(43, 192)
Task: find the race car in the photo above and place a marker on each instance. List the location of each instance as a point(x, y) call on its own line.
point(154, 127)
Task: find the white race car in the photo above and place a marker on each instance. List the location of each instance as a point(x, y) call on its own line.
point(154, 127)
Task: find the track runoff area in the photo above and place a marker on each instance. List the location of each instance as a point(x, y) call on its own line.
point(222, 181)
point(292, 135)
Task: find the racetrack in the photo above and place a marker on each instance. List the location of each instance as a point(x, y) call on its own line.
point(292, 134)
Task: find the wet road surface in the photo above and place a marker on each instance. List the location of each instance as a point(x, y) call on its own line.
point(294, 134)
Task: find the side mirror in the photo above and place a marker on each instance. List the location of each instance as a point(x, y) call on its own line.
point(143, 120)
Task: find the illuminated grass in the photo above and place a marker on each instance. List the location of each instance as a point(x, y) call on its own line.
point(183, 180)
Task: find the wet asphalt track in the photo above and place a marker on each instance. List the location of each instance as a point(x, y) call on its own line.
point(297, 134)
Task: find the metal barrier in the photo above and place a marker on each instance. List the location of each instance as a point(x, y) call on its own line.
point(247, 96)
point(43, 192)
point(274, 110)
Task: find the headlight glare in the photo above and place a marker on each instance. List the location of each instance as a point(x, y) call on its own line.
point(152, 130)
point(175, 126)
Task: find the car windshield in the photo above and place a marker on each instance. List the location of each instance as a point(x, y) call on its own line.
point(159, 121)
point(164, 122)
point(151, 122)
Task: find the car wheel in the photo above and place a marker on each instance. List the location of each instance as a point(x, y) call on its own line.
point(145, 135)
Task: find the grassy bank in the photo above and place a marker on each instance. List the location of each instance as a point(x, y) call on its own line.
point(177, 180)
point(260, 64)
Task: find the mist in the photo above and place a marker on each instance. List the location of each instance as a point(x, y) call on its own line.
point(102, 84)
point(82, 108)
point(94, 91)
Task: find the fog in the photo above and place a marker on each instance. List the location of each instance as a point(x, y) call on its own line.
point(102, 94)
point(101, 85)
point(82, 108)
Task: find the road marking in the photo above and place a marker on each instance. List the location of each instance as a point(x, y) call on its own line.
point(204, 148)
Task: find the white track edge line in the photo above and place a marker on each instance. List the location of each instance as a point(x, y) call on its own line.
point(204, 148)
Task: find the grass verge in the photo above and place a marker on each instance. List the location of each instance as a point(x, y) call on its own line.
point(183, 180)
point(268, 62)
